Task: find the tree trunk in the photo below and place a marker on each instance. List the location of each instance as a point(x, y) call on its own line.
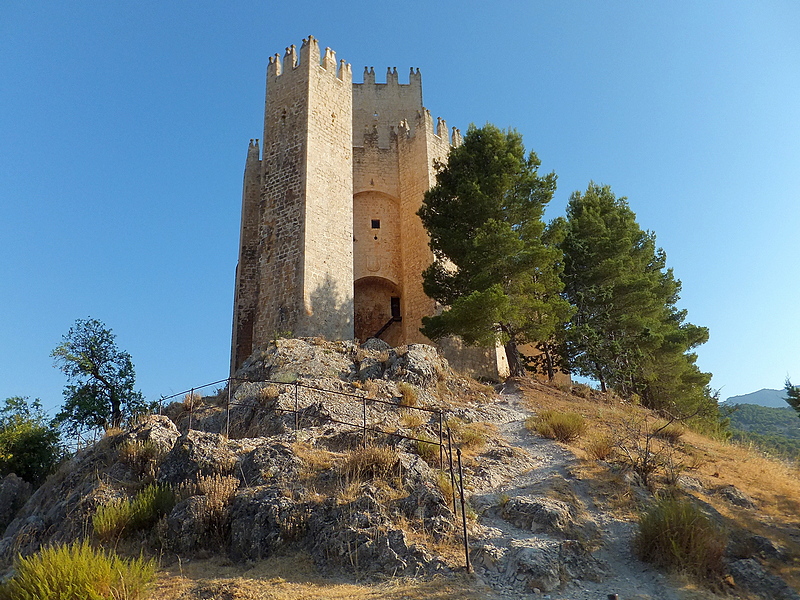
point(548, 361)
point(515, 366)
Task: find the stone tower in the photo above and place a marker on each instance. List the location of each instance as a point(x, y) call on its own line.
point(331, 244)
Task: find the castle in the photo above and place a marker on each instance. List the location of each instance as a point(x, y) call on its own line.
point(330, 242)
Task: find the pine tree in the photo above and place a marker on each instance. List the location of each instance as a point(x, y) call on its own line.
point(627, 332)
point(792, 395)
point(494, 271)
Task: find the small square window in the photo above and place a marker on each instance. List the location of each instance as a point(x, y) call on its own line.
point(376, 223)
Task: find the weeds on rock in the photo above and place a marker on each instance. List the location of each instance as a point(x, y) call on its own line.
point(411, 419)
point(564, 427)
point(123, 517)
point(428, 450)
point(372, 462)
point(674, 534)
point(219, 490)
point(78, 572)
point(408, 393)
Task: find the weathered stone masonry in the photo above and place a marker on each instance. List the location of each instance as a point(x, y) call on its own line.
point(331, 244)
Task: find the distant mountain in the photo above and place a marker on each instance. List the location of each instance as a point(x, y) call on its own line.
point(770, 398)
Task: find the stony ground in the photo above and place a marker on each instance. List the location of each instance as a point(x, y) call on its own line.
point(518, 562)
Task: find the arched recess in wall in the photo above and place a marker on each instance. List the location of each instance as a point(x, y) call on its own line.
point(373, 309)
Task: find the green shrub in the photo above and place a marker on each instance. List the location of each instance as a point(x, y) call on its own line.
point(564, 427)
point(78, 572)
point(674, 534)
point(123, 517)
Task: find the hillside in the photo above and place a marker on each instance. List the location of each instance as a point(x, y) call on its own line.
point(292, 504)
point(774, 430)
point(765, 397)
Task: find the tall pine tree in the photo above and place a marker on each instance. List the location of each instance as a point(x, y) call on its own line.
point(494, 272)
point(627, 332)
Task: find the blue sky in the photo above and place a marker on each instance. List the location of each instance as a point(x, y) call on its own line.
point(124, 129)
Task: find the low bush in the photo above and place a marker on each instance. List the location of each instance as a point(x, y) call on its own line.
point(123, 517)
point(564, 427)
point(78, 572)
point(674, 534)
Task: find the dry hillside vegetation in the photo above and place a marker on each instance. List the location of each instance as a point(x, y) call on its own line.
point(556, 481)
point(747, 492)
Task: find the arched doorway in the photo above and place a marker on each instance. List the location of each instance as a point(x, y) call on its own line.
point(376, 303)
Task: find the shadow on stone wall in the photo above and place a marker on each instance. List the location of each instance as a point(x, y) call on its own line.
point(331, 314)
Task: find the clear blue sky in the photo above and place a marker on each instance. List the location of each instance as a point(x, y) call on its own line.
point(124, 129)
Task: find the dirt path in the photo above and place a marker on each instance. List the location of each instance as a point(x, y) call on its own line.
point(527, 562)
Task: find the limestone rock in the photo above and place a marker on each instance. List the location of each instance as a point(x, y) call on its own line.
point(14, 492)
point(736, 497)
point(539, 513)
point(750, 575)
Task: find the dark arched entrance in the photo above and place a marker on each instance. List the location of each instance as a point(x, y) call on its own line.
point(373, 300)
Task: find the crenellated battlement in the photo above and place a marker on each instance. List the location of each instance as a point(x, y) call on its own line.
point(392, 78)
point(423, 121)
point(307, 57)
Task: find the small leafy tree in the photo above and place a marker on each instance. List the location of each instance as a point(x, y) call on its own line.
point(30, 446)
point(494, 270)
point(100, 392)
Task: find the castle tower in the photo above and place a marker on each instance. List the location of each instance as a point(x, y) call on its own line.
point(331, 244)
point(302, 259)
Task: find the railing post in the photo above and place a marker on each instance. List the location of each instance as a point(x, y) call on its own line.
point(364, 419)
point(191, 407)
point(452, 475)
point(463, 510)
point(228, 410)
point(441, 443)
point(296, 407)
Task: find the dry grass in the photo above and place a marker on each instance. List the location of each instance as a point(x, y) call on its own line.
point(562, 426)
point(408, 394)
point(218, 490)
point(470, 437)
point(314, 459)
point(676, 535)
point(268, 394)
point(411, 419)
point(192, 400)
point(364, 464)
point(669, 432)
point(428, 450)
point(600, 447)
point(290, 577)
